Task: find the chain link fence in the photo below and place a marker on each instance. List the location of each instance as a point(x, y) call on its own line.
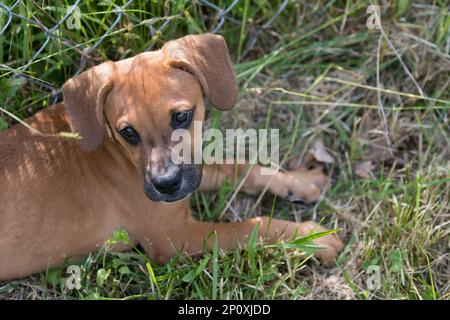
point(57, 37)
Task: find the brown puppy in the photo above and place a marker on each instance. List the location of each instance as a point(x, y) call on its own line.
point(63, 198)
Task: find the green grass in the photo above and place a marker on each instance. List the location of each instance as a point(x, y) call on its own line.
point(312, 73)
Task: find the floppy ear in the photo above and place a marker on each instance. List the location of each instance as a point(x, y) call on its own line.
point(84, 97)
point(206, 57)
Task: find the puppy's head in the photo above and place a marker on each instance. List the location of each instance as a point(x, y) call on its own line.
point(138, 102)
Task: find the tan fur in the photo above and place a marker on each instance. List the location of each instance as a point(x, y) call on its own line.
point(63, 198)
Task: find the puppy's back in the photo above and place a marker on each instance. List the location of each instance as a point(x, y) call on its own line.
point(29, 160)
point(19, 146)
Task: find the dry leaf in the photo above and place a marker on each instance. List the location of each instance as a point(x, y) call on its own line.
point(364, 169)
point(320, 153)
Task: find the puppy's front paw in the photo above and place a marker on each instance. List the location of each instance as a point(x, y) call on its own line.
point(303, 185)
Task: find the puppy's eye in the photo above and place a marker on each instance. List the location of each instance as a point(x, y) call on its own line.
point(182, 119)
point(130, 135)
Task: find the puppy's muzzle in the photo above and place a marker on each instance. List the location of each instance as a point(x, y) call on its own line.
point(176, 183)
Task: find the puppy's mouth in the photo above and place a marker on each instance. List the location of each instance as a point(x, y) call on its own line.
point(191, 179)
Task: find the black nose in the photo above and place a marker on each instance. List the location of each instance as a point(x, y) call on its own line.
point(169, 182)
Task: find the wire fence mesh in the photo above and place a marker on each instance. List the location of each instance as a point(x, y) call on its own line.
point(77, 36)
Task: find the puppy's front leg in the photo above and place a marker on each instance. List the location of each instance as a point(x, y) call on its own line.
point(296, 185)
